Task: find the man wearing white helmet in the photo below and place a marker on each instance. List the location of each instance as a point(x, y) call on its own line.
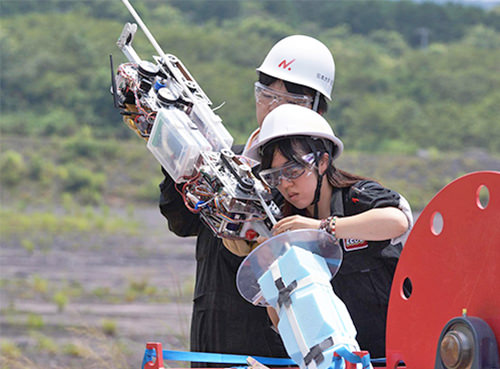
point(298, 70)
point(297, 148)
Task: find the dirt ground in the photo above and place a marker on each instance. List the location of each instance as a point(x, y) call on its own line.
point(121, 292)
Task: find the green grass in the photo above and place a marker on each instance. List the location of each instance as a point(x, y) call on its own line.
point(9, 349)
point(34, 321)
point(82, 170)
point(15, 223)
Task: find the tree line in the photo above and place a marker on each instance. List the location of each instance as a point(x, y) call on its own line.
point(393, 91)
point(442, 22)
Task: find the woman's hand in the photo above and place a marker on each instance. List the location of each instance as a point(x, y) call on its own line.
point(294, 222)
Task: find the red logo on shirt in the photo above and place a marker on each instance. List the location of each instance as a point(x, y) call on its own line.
point(352, 245)
point(285, 65)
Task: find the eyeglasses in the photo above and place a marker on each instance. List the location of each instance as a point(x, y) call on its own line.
point(267, 96)
point(293, 170)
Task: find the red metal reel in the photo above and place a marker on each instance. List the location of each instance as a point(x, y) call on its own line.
point(452, 266)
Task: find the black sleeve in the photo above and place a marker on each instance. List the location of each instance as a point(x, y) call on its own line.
point(180, 220)
point(366, 195)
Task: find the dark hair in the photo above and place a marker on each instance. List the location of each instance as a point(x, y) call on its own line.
point(294, 147)
point(295, 88)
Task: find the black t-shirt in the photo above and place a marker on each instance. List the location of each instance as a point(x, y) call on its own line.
point(365, 276)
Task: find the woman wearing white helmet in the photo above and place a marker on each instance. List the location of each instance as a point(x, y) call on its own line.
point(297, 148)
point(297, 70)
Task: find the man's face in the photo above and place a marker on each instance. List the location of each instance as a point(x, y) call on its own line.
point(262, 109)
point(269, 97)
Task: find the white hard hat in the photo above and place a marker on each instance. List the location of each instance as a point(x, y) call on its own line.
point(294, 120)
point(302, 60)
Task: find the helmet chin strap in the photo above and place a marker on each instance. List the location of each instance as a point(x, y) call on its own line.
point(316, 101)
point(317, 192)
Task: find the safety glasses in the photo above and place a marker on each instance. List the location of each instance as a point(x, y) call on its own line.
point(267, 96)
point(292, 170)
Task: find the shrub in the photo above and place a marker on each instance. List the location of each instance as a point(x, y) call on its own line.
point(12, 167)
point(40, 284)
point(109, 327)
point(9, 349)
point(34, 321)
point(28, 245)
point(45, 343)
point(149, 191)
point(79, 179)
point(76, 350)
point(84, 145)
point(101, 292)
point(61, 300)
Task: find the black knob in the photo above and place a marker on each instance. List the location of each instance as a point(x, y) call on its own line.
point(167, 96)
point(246, 184)
point(147, 69)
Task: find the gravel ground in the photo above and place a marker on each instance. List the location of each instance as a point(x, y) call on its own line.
point(122, 291)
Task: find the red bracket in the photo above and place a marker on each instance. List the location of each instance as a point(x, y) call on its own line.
point(158, 363)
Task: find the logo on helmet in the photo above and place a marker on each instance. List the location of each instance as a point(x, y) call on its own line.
point(324, 78)
point(285, 65)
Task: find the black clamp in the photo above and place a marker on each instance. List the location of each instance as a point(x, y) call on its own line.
point(316, 352)
point(284, 292)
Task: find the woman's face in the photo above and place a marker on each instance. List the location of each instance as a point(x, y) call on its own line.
point(300, 191)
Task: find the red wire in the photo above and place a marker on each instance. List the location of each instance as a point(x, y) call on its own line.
point(182, 193)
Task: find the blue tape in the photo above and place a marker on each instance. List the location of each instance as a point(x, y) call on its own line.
point(352, 358)
point(337, 363)
point(149, 355)
point(207, 357)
